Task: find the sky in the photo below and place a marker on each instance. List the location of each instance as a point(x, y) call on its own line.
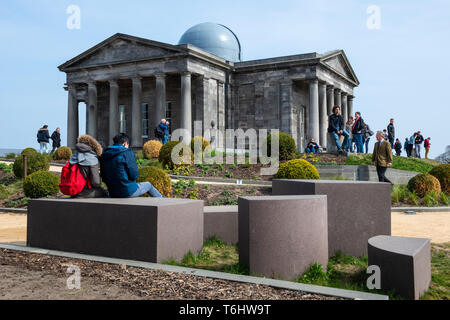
point(399, 51)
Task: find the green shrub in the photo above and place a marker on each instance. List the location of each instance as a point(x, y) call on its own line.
point(431, 199)
point(10, 155)
point(6, 167)
point(63, 153)
point(297, 169)
point(151, 149)
point(4, 193)
point(41, 184)
point(444, 199)
point(158, 178)
point(28, 151)
point(424, 183)
point(315, 273)
point(287, 147)
point(201, 141)
point(35, 162)
point(165, 154)
point(442, 173)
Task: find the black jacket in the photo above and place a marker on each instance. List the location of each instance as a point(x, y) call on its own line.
point(358, 126)
point(391, 131)
point(419, 139)
point(43, 135)
point(333, 120)
point(56, 137)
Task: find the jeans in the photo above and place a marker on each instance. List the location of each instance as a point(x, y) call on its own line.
point(359, 142)
point(146, 187)
point(165, 139)
point(366, 143)
point(391, 141)
point(349, 145)
point(311, 150)
point(337, 138)
point(417, 148)
point(44, 147)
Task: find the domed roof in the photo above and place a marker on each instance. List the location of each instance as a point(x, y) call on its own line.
point(214, 38)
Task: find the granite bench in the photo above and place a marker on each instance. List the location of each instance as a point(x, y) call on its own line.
point(145, 229)
point(282, 236)
point(357, 210)
point(405, 264)
point(221, 222)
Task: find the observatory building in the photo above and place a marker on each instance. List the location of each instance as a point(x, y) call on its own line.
point(129, 84)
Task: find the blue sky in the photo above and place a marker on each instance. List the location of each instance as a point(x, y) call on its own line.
point(403, 67)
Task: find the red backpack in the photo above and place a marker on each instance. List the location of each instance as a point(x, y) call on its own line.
point(72, 180)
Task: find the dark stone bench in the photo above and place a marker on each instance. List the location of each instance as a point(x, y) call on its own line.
point(405, 264)
point(282, 236)
point(222, 222)
point(145, 229)
point(357, 210)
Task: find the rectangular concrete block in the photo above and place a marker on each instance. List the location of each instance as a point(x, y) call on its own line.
point(145, 229)
point(357, 210)
point(282, 236)
point(405, 264)
point(222, 222)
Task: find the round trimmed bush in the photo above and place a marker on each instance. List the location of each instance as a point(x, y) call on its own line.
point(151, 149)
point(63, 153)
point(423, 184)
point(41, 184)
point(201, 141)
point(287, 145)
point(35, 162)
point(28, 151)
point(165, 154)
point(442, 173)
point(157, 177)
point(297, 169)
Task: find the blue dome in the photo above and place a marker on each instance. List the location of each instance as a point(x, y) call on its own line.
point(214, 38)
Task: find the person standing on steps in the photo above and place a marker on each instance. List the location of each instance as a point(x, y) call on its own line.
point(56, 138)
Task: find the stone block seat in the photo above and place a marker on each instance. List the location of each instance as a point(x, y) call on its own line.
point(405, 264)
point(221, 222)
point(144, 229)
point(282, 236)
point(357, 210)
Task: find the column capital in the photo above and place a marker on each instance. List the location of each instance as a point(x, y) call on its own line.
point(160, 76)
point(350, 97)
point(337, 90)
point(136, 80)
point(186, 74)
point(315, 80)
point(113, 82)
point(344, 94)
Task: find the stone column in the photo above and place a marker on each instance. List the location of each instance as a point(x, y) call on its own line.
point(330, 99)
point(160, 105)
point(337, 98)
point(113, 109)
point(136, 114)
point(344, 109)
point(186, 106)
point(72, 117)
point(323, 115)
point(350, 106)
point(92, 110)
point(313, 117)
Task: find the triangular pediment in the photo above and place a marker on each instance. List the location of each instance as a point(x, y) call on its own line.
point(120, 48)
point(338, 62)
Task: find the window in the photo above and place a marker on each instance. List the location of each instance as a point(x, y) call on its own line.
point(144, 107)
point(169, 115)
point(122, 120)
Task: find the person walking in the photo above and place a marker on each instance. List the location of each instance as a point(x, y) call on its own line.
point(418, 144)
point(406, 147)
point(87, 153)
point(336, 128)
point(398, 147)
point(119, 171)
point(56, 138)
point(382, 157)
point(391, 133)
point(348, 141)
point(43, 138)
point(367, 133)
point(357, 132)
point(427, 145)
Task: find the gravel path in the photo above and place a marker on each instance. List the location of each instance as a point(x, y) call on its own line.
point(36, 276)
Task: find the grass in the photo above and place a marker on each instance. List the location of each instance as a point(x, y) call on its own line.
point(401, 195)
point(400, 163)
point(343, 272)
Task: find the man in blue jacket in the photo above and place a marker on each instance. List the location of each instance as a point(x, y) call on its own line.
point(119, 171)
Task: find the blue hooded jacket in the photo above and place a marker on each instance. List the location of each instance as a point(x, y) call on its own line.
point(119, 171)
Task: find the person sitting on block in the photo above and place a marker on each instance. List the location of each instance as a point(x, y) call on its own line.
point(312, 147)
point(119, 171)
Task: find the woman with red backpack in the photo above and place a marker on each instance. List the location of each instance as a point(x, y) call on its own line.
point(80, 178)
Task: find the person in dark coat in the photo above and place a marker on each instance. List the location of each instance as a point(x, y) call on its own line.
point(56, 138)
point(119, 171)
point(357, 130)
point(43, 138)
point(336, 128)
point(88, 150)
point(398, 147)
point(391, 133)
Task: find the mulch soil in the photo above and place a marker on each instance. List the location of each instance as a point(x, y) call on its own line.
point(151, 284)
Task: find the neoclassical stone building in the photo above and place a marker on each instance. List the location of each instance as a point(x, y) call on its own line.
point(129, 84)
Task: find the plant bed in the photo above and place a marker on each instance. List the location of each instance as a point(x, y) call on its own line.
point(402, 197)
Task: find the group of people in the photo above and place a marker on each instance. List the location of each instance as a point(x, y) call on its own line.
point(43, 138)
point(413, 145)
point(116, 166)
